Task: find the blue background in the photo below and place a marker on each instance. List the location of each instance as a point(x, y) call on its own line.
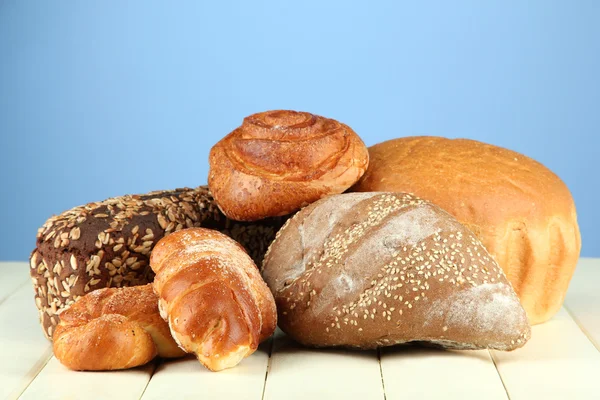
point(98, 99)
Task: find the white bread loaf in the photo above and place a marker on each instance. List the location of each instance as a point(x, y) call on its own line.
point(519, 209)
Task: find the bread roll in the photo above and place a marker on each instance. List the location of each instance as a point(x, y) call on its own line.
point(108, 243)
point(521, 211)
point(111, 328)
point(279, 161)
point(377, 269)
point(211, 293)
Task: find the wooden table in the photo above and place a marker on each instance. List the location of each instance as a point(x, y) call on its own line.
point(561, 361)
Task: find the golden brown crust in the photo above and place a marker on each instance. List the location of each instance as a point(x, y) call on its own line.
point(377, 269)
point(521, 211)
point(217, 305)
point(112, 328)
point(279, 161)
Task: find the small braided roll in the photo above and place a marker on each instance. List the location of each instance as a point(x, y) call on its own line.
point(212, 295)
point(113, 328)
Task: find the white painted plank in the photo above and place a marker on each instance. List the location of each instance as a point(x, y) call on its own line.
point(558, 362)
point(411, 372)
point(301, 373)
point(57, 382)
point(583, 298)
point(14, 275)
point(23, 347)
point(188, 379)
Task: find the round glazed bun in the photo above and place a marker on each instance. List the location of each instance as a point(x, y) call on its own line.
point(280, 161)
point(377, 269)
point(521, 211)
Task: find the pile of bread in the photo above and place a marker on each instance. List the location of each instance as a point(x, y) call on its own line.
point(454, 243)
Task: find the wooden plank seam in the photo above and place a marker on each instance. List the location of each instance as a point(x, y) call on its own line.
point(156, 365)
point(381, 373)
point(272, 340)
point(581, 326)
point(36, 369)
point(14, 291)
point(499, 374)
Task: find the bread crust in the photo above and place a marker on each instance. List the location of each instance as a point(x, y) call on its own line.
point(279, 161)
point(377, 269)
point(212, 295)
point(522, 212)
point(108, 243)
point(111, 329)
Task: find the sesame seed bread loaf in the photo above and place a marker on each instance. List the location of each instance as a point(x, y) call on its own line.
point(113, 328)
point(520, 210)
point(377, 269)
point(279, 161)
point(108, 243)
point(212, 295)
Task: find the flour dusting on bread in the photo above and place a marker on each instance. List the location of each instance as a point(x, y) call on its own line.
point(380, 271)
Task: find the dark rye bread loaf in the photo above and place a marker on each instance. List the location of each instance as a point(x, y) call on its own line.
point(377, 269)
point(108, 243)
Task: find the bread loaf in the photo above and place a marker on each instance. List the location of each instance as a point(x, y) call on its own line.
point(108, 243)
point(377, 269)
point(521, 211)
point(280, 161)
point(111, 328)
point(211, 293)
